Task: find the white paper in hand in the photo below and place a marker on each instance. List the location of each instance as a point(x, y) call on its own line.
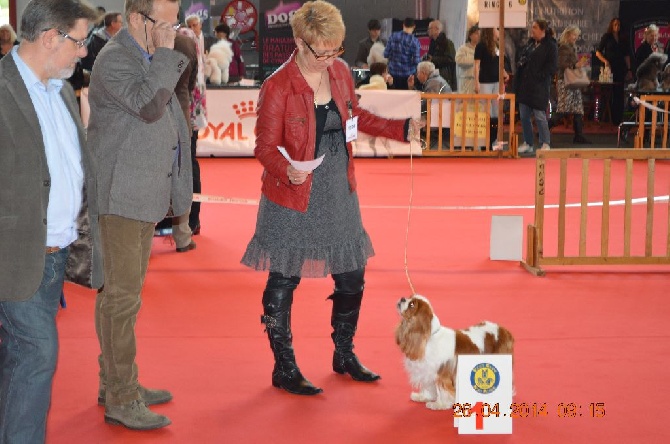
point(306, 165)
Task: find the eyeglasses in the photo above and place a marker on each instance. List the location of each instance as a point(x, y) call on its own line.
point(324, 57)
point(80, 43)
point(175, 26)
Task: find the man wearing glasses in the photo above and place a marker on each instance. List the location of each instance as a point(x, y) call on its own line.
point(141, 144)
point(46, 180)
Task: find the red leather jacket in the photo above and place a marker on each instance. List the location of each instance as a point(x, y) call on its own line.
point(286, 118)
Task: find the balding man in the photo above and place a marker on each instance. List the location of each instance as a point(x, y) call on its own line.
point(442, 53)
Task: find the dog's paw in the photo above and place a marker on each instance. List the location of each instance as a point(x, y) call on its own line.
point(420, 397)
point(439, 405)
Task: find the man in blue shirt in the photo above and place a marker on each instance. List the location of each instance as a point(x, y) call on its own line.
point(403, 52)
point(48, 209)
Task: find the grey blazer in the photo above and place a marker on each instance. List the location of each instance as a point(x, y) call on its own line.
point(24, 195)
point(134, 131)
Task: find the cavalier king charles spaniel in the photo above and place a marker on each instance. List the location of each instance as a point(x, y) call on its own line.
point(431, 350)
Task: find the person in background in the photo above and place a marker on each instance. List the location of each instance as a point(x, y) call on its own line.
point(140, 142)
point(465, 60)
point(309, 223)
point(236, 70)
point(7, 39)
point(570, 100)
point(648, 46)
point(535, 71)
point(374, 32)
point(430, 80)
point(186, 43)
point(48, 208)
point(403, 52)
point(99, 21)
point(487, 73)
point(613, 51)
point(379, 77)
point(442, 53)
point(198, 118)
point(113, 22)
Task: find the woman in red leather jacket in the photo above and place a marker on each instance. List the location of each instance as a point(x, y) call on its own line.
point(309, 223)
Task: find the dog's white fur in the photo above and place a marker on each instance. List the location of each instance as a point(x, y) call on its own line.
point(218, 62)
point(431, 350)
point(376, 53)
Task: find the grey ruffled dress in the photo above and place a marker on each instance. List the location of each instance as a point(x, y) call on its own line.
point(329, 237)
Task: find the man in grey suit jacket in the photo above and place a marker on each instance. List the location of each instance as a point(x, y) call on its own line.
point(141, 145)
point(48, 213)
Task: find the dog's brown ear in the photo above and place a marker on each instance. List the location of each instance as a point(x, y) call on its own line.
point(411, 336)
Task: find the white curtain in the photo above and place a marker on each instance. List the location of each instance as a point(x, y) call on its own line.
point(454, 15)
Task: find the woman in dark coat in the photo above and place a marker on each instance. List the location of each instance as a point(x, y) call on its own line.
point(535, 70)
point(613, 52)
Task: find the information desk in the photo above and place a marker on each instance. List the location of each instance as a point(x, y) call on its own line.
point(231, 115)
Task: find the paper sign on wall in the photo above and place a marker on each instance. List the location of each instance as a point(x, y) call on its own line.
point(515, 13)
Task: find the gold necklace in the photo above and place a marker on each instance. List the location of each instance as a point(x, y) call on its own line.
point(317, 89)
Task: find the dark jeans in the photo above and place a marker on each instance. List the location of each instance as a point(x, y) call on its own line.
point(28, 355)
point(400, 83)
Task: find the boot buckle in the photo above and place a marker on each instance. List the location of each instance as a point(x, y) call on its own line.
point(269, 321)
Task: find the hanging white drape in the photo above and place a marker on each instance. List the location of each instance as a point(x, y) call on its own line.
point(454, 15)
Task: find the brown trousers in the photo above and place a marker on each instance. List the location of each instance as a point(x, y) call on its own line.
point(126, 246)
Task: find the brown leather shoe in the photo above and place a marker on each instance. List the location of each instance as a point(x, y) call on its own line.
point(189, 247)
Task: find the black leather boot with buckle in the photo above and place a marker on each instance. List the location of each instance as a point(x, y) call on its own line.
point(277, 319)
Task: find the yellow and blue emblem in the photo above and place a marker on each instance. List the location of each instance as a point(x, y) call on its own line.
point(485, 378)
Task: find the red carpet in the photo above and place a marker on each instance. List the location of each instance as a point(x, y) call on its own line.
point(583, 335)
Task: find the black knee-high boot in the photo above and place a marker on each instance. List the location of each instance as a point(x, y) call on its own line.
point(344, 320)
point(277, 301)
point(578, 126)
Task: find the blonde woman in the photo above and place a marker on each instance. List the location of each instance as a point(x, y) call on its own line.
point(309, 223)
point(570, 100)
point(648, 46)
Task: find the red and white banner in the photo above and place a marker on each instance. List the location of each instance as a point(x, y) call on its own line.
point(232, 119)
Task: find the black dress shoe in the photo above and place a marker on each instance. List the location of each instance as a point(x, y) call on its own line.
point(195, 230)
point(189, 247)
